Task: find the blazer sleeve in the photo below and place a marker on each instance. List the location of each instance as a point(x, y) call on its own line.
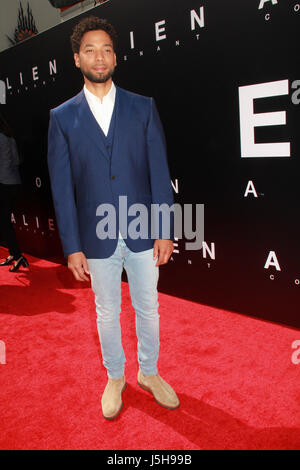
point(5, 151)
point(160, 180)
point(62, 186)
point(9, 160)
point(15, 154)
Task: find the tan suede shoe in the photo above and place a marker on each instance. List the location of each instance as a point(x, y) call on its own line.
point(163, 393)
point(111, 400)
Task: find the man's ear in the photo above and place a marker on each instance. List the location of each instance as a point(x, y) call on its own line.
point(76, 60)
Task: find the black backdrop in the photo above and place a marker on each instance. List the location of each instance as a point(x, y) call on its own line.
point(192, 56)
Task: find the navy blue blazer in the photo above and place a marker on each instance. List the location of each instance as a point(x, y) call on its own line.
point(84, 173)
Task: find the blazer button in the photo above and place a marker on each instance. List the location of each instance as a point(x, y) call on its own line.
point(107, 147)
point(113, 177)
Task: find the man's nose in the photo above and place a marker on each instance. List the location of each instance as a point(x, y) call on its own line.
point(99, 55)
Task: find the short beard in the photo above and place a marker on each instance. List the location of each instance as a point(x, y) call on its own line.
point(98, 79)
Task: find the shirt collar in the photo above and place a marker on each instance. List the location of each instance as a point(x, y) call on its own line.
point(108, 98)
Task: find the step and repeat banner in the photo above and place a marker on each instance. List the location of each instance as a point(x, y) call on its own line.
point(226, 80)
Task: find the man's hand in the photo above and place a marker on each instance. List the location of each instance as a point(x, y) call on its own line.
point(77, 263)
point(163, 250)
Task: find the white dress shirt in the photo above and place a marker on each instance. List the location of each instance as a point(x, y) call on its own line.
point(102, 110)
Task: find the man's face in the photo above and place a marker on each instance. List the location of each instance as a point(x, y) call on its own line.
point(96, 58)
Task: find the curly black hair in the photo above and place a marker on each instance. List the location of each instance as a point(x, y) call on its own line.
point(91, 23)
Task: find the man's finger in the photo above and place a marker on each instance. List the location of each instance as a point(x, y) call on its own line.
point(82, 276)
point(85, 266)
point(78, 273)
point(75, 274)
point(160, 259)
point(164, 257)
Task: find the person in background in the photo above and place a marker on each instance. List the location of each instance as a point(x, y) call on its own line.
point(10, 182)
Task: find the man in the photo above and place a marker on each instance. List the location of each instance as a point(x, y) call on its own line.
point(106, 143)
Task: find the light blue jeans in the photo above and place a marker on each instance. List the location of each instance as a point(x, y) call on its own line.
point(142, 277)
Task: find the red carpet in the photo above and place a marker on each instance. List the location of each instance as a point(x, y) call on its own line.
point(233, 374)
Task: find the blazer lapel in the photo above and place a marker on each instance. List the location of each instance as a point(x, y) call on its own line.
point(89, 124)
point(123, 111)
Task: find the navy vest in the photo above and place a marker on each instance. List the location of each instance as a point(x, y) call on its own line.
point(109, 138)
